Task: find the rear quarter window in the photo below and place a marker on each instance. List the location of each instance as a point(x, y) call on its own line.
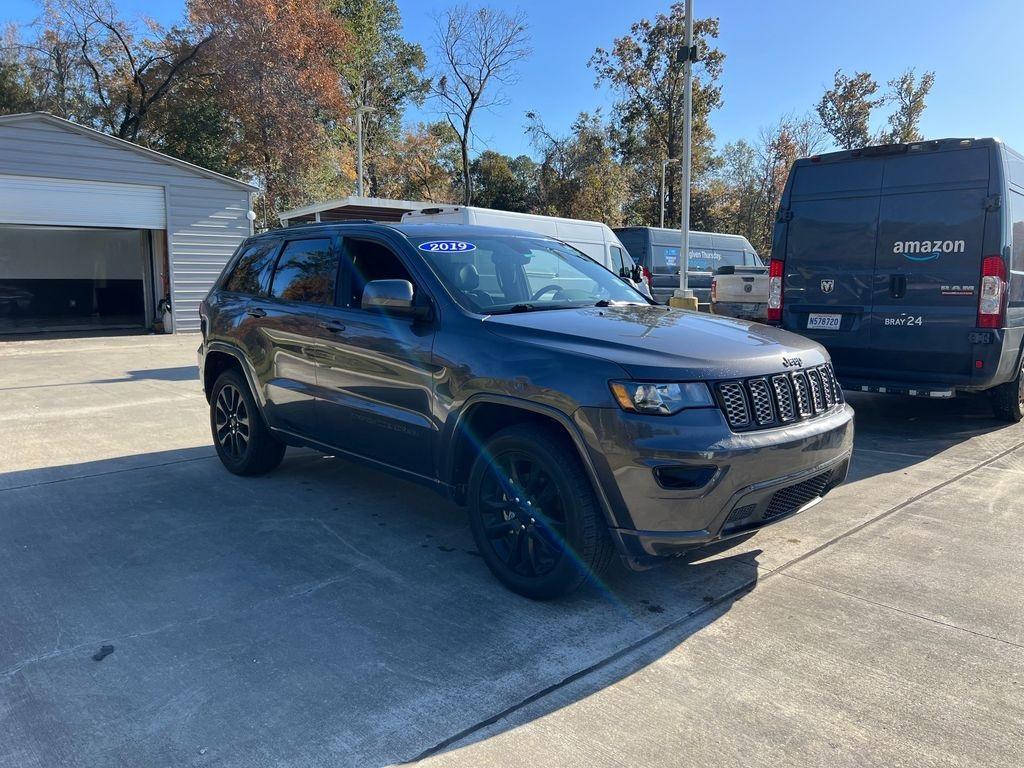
point(1016, 213)
point(251, 269)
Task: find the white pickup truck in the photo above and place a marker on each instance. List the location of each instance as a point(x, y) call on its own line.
point(740, 292)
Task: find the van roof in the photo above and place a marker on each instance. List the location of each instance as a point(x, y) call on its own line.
point(409, 229)
point(668, 236)
point(882, 150)
point(444, 209)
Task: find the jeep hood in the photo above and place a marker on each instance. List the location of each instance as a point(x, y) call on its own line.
point(653, 342)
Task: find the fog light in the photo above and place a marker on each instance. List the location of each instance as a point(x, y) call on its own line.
point(683, 478)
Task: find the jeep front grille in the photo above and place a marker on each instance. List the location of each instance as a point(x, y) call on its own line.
point(784, 398)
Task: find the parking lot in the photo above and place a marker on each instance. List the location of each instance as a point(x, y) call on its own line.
point(330, 615)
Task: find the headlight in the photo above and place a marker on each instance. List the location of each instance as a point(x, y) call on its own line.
point(661, 399)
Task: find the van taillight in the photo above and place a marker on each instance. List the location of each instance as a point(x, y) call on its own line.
point(775, 271)
point(992, 301)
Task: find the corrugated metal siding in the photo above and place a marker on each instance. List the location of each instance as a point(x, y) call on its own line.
point(38, 200)
point(206, 218)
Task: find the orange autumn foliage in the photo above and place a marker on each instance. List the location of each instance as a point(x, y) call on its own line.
point(276, 61)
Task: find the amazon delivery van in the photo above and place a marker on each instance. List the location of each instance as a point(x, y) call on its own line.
point(595, 239)
point(906, 262)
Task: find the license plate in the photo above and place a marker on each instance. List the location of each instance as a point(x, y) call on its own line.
point(824, 322)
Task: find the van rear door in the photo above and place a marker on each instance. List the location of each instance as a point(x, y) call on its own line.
point(928, 263)
point(829, 235)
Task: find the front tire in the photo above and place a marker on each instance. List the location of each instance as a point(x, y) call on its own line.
point(243, 441)
point(1008, 398)
point(534, 515)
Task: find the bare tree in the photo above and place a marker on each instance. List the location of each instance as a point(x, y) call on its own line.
point(128, 70)
point(478, 49)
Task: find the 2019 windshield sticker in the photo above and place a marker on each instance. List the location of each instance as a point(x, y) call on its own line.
point(447, 246)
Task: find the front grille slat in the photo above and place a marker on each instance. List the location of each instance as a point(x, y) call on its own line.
point(734, 403)
point(761, 399)
point(817, 398)
point(782, 398)
point(803, 395)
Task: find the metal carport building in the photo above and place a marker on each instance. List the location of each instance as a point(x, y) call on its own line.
point(95, 230)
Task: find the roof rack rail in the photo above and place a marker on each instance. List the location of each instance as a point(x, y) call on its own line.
point(325, 223)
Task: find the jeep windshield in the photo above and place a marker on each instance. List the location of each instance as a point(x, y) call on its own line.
point(497, 274)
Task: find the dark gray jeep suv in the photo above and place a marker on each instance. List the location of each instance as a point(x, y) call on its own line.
point(571, 417)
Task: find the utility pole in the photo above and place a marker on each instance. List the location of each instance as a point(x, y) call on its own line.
point(684, 297)
point(360, 110)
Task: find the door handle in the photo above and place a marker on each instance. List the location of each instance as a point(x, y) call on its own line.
point(256, 312)
point(897, 286)
point(332, 326)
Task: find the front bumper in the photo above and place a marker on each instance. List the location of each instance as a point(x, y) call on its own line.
point(743, 310)
point(754, 478)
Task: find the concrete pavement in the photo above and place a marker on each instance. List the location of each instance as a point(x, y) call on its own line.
point(330, 615)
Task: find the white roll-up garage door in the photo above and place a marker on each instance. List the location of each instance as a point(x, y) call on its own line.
point(70, 202)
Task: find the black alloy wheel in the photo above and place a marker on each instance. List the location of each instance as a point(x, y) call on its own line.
point(534, 514)
point(523, 514)
point(243, 441)
point(231, 422)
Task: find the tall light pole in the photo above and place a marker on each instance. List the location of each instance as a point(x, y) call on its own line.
point(687, 54)
point(664, 165)
point(360, 110)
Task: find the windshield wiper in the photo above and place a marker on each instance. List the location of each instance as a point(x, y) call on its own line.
point(608, 303)
point(516, 308)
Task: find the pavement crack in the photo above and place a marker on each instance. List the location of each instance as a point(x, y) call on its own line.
point(903, 611)
point(683, 620)
point(893, 510)
point(731, 594)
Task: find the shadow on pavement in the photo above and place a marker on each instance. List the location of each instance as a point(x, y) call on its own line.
point(177, 373)
point(324, 614)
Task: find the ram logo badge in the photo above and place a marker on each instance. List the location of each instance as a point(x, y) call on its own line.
point(827, 286)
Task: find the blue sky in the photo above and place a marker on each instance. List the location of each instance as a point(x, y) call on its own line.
point(779, 57)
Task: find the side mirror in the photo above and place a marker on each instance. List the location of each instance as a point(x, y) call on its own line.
point(394, 296)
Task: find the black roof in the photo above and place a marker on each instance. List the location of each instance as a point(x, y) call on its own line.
point(428, 229)
point(881, 150)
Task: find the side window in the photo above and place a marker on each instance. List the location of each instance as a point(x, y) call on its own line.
point(593, 250)
point(618, 263)
point(1016, 213)
point(250, 268)
point(306, 271)
point(366, 261)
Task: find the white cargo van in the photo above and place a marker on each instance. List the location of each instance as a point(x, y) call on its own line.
point(592, 237)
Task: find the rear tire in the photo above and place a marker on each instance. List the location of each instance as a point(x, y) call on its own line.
point(243, 441)
point(1008, 398)
point(534, 514)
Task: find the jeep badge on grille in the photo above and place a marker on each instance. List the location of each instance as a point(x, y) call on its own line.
point(791, 362)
